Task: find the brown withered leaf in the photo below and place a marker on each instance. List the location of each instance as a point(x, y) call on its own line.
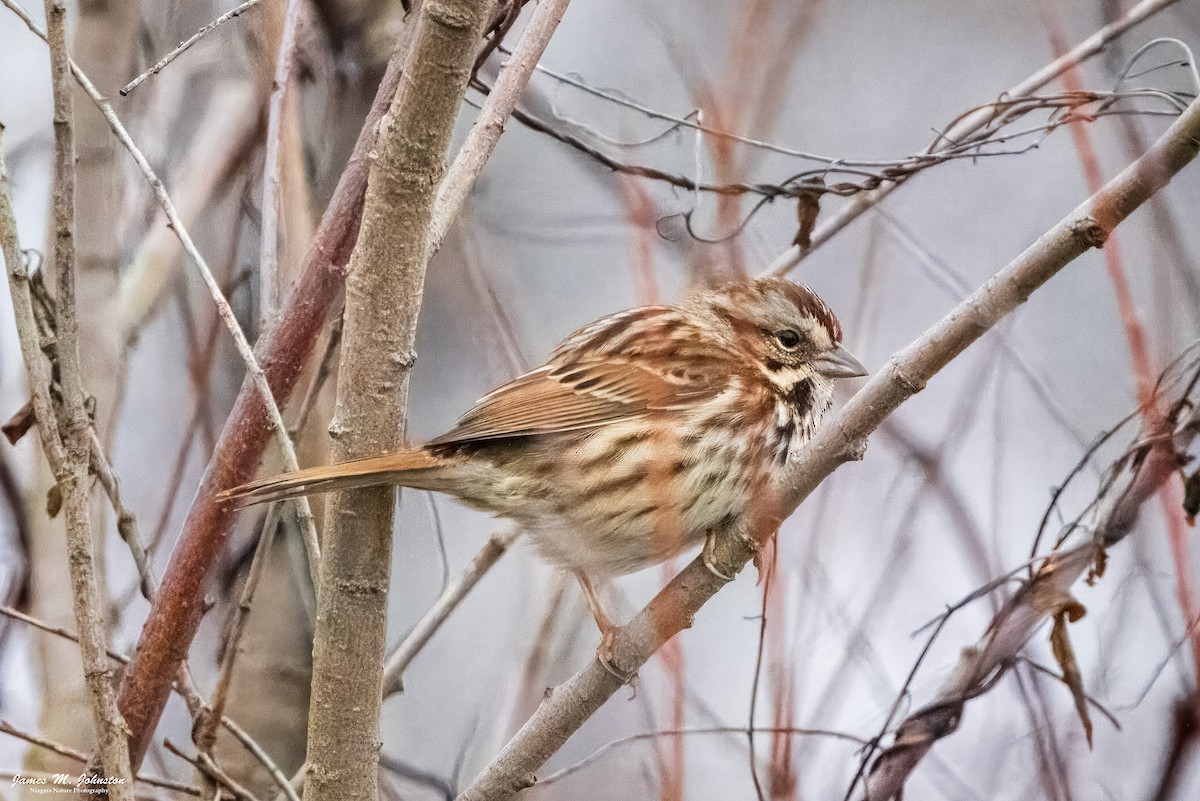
point(54, 501)
point(19, 424)
point(808, 206)
point(1191, 497)
point(1099, 565)
point(1064, 654)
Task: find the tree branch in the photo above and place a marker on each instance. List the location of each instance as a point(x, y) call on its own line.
point(501, 101)
point(383, 297)
point(71, 470)
point(842, 439)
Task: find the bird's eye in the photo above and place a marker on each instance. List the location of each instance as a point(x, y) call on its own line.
point(788, 338)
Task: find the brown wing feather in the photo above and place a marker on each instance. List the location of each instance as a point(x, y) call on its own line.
point(590, 385)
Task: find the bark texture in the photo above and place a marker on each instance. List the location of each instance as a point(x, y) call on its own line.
point(383, 296)
point(103, 37)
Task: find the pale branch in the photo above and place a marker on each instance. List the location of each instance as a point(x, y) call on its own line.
point(269, 228)
point(72, 472)
point(384, 286)
point(186, 43)
point(1094, 44)
point(842, 439)
point(399, 657)
point(485, 133)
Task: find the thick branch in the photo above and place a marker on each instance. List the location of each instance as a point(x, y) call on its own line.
point(383, 296)
point(843, 439)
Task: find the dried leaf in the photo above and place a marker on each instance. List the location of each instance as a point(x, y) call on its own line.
point(1099, 564)
point(19, 424)
point(808, 206)
point(1064, 654)
point(54, 501)
point(1191, 497)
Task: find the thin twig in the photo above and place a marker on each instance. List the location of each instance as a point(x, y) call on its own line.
point(970, 124)
point(400, 656)
point(186, 43)
point(605, 749)
point(205, 764)
point(271, 200)
point(127, 526)
point(254, 748)
point(206, 732)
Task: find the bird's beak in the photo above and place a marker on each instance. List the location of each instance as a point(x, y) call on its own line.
point(838, 363)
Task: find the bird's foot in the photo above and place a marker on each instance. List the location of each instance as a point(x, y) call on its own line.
point(709, 556)
point(606, 656)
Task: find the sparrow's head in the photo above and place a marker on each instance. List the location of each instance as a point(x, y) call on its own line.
point(786, 327)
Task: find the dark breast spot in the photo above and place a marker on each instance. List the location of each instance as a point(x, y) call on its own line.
point(800, 394)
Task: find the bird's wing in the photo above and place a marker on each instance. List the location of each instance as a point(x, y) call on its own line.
point(578, 395)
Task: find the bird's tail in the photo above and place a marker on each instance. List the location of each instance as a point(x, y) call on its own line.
point(415, 468)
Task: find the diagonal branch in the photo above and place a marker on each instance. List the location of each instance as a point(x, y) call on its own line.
point(843, 439)
point(501, 102)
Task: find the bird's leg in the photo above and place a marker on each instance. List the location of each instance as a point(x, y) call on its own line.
point(709, 552)
point(608, 629)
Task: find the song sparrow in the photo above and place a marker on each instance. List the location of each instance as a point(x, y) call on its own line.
point(643, 433)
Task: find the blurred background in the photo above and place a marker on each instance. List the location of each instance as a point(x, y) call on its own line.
point(949, 495)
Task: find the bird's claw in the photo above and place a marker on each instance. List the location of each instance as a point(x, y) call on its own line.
point(710, 545)
point(605, 656)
